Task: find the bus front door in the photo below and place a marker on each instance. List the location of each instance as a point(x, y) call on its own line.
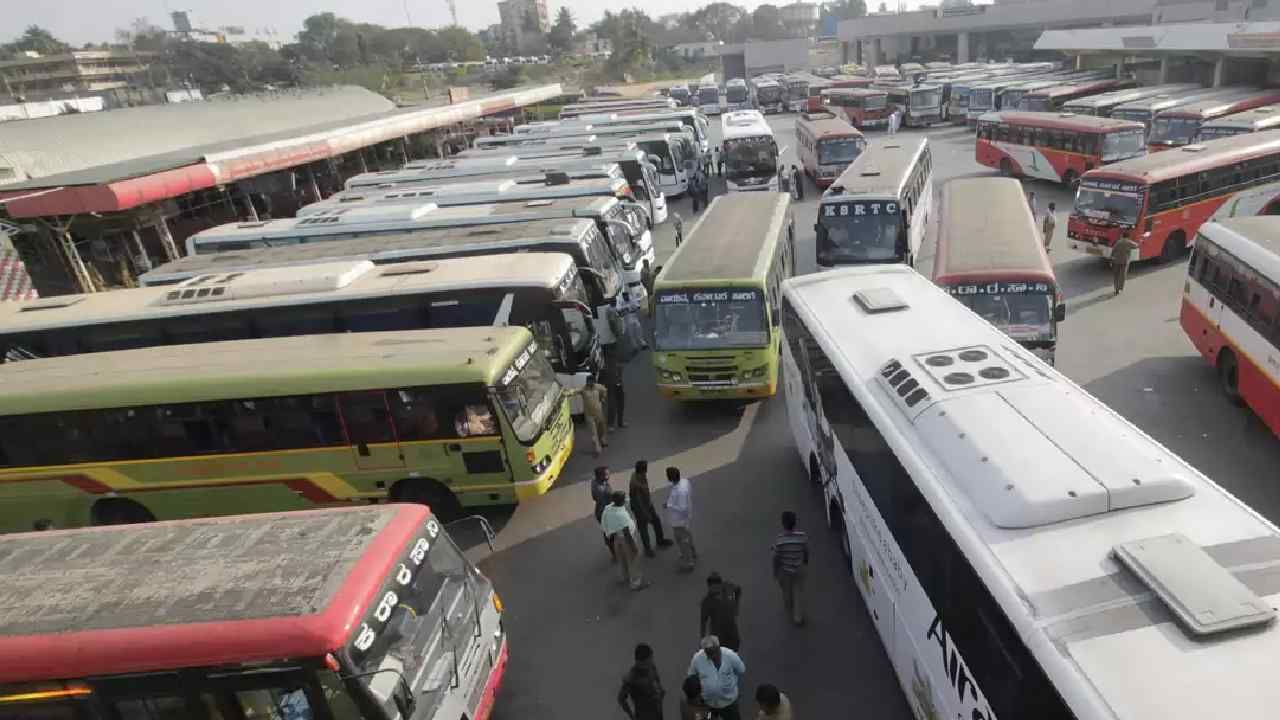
point(367, 421)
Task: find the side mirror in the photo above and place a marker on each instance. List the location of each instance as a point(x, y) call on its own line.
point(815, 227)
point(1060, 312)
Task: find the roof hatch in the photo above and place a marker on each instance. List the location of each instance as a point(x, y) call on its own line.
point(319, 278)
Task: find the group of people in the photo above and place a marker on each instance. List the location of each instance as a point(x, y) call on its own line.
point(709, 692)
point(1121, 252)
point(791, 181)
point(626, 517)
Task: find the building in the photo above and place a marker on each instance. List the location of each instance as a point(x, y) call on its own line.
point(800, 18)
point(44, 77)
point(771, 56)
point(524, 24)
point(698, 50)
point(589, 44)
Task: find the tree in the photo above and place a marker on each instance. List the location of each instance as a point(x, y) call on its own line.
point(718, 19)
point(35, 39)
point(562, 32)
point(320, 35)
point(142, 34)
point(766, 23)
point(848, 9)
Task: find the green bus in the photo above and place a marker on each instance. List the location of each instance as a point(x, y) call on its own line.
point(451, 418)
point(716, 314)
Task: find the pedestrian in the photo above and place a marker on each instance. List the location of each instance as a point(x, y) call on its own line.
point(1032, 203)
point(678, 223)
point(692, 706)
point(695, 192)
point(784, 180)
point(774, 704)
point(705, 186)
point(720, 161)
point(641, 693)
point(893, 122)
point(620, 532)
point(719, 670)
point(594, 399)
point(719, 612)
point(797, 183)
point(602, 495)
point(1121, 254)
point(611, 378)
point(680, 516)
point(1049, 225)
point(642, 509)
point(647, 277)
point(790, 562)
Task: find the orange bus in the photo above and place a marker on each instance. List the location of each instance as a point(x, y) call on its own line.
point(1052, 99)
point(1055, 147)
point(1160, 200)
point(826, 145)
point(862, 108)
point(1177, 127)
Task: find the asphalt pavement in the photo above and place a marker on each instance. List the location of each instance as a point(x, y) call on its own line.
point(573, 626)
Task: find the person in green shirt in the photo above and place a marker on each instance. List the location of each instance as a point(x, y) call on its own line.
point(1121, 253)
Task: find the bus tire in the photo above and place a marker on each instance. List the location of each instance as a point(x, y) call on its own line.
point(835, 520)
point(1006, 168)
point(119, 511)
point(1174, 246)
point(1229, 376)
point(439, 498)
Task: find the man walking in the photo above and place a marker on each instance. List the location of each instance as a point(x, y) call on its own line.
point(602, 495)
point(719, 614)
point(611, 378)
point(642, 508)
point(641, 693)
point(680, 515)
point(797, 183)
point(620, 532)
point(594, 397)
point(790, 561)
point(719, 161)
point(704, 186)
point(1121, 253)
point(719, 670)
point(678, 223)
point(1049, 225)
point(695, 191)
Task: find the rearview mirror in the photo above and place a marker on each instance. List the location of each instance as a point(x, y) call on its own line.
point(1060, 312)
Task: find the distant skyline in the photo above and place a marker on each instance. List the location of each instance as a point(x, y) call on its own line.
point(82, 21)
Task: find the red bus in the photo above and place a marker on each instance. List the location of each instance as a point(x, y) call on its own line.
point(1057, 148)
point(1052, 99)
point(1231, 309)
point(1160, 200)
point(991, 258)
point(862, 108)
point(816, 87)
point(1177, 127)
point(826, 145)
point(850, 81)
point(368, 612)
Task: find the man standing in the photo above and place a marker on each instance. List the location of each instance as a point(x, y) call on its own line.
point(695, 191)
point(719, 614)
point(784, 180)
point(642, 508)
point(719, 670)
point(790, 560)
point(680, 516)
point(719, 161)
point(594, 398)
point(705, 187)
point(797, 183)
point(611, 378)
point(1049, 225)
point(774, 704)
point(678, 223)
point(642, 687)
point(1121, 253)
point(602, 495)
point(620, 532)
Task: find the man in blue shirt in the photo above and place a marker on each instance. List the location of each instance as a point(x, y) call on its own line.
point(719, 669)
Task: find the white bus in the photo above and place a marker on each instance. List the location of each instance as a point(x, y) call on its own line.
point(709, 99)
point(691, 118)
point(478, 191)
point(1241, 123)
point(878, 209)
point(737, 96)
point(750, 152)
point(1025, 552)
point(768, 95)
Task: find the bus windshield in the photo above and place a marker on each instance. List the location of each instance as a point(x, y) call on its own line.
point(664, 152)
point(839, 151)
point(1108, 205)
point(859, 232)
point(1121, 145)
point(529, 393)
point(736, 94)
point(1174, 130)
point(751, 157)
point(770, 93)
point(1035, 104)
point(1026, 317)
point(707, 319)
point(926, 98)
point(708, 95)
point(1213, 133)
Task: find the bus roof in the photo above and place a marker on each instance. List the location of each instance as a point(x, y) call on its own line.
point(1120, 97)
point(854, 92)
point(1061, 121)
point(880, 169)
point(1034, 480)
point(288, 285)
point(1216, 107)
point(743, 124)
point(268, 367)
point(728, 246)
point(1164, 101)
point(986, 231)
point(824, 125)
point(1083, 87)
point(1254, 240)
point(381, 249)
point(470, 191)
point(206, 592)
point(1254, 120)
point(463, 169)
point(1176, 162)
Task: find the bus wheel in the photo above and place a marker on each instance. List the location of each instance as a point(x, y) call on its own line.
point(1006, 168)
point(439, 498)
point(1229, 375)
point(836, 521)
point(119, 511)
point(1174, 246)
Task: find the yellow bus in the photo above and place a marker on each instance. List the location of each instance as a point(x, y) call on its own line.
point(716, 310)
point(450, 418)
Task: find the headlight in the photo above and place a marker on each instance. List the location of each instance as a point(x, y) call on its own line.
point(756, 373)
point(671, 377)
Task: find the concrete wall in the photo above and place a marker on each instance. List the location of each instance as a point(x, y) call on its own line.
point(789, 54)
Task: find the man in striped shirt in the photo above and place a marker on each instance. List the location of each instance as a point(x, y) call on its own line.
point(790, 559)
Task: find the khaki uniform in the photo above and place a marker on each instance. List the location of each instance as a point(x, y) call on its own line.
point(1120, 255)
point(593, 403)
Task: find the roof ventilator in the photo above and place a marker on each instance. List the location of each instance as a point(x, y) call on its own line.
point(968, 367)
point(879, 300)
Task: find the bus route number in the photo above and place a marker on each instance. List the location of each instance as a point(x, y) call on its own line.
point(402, 577)
point(1000, 288)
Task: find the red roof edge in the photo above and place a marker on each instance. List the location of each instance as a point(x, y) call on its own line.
point(115, 196)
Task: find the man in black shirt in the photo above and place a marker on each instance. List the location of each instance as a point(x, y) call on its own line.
point(719, 615)
point(642, 687)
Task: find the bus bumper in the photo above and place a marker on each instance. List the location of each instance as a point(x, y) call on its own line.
point(741, 391)
point(543, 483)
point(484, 708)
point(1088, 248)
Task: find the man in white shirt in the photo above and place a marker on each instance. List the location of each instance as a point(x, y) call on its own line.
point(719, 670)
point(680, 516)
point(620, 529)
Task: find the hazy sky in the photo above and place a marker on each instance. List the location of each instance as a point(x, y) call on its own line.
point(81, 21)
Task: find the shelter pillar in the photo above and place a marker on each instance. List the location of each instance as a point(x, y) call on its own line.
point(140, 252)
point(250, 208)
point(962, 47)
point(1220, 72)
point(364, 162)
point(404, 150)
point(166, 240)
point(1164, 69)
point(79, 271)
point(312, 185)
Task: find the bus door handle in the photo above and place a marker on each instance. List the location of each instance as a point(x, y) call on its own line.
point(363, 449)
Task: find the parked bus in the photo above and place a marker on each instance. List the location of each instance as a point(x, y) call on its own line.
point(1059, 148)
point(1023, 551)
point(991, 258)
point(817, 95)
point(709, 99)
point(1145, 111)
point(1052, 99)
point(797, 91)
point(477, 191)
point(366, 612)
point(1002, 93)
point(863, 108)
point(1011, 97)
point(716, 323)
point(451, 418)
point(543, 292)
point(750, 152)
point(877, 211)
point(680, 93)
point(1161, 200)
point(768, 95)
point(691, 118)
point(921, 104)
point(1178, 126)
point(886, 74)
point(1102, 105)
point(1249, 121)
point(617, 105)
point(1231, 309)
point(826, 145)
point(737, 96)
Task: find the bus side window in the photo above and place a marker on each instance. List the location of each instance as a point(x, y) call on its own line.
point(1195, 257)
point(416, 415)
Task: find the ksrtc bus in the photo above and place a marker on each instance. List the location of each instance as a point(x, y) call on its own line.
point(1145, 110)
point(1179, 126)
point(1241, 123)
point(737, 96)
point(768, 95)
point(750, 152)
point(797, 87)
point(1102, 105)
point(716, 323)
point(863, 108)
point(921, 105)
point(478, 191)
point(709, 100)
point(826, 145)
point(1052, 99)
point(1055, 147)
